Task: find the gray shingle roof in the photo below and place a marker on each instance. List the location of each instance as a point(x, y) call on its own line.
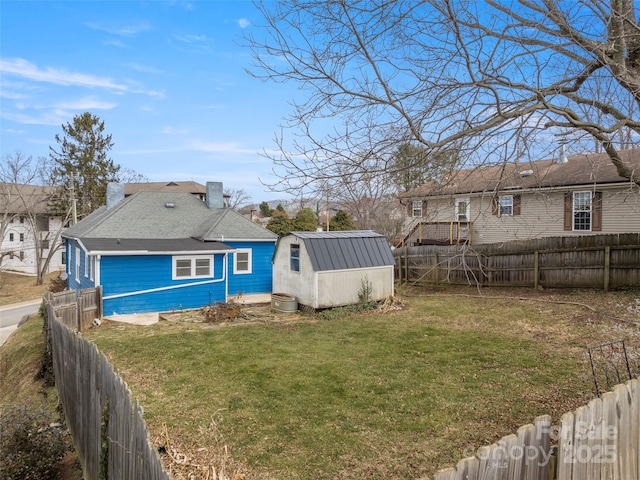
point(346, 249)
point(166, 215)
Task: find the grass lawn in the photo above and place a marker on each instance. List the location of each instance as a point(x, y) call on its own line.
point(385, 395)
point(16, 288)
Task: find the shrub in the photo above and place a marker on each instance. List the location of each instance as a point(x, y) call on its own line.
point(32, 447)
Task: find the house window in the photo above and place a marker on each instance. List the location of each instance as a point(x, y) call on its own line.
point(242, 262)
point(416, 208)
point(506, 205)
point(63, 258)
point(21, 219)
point(11, 237)
point(295, 257)
point(462, 209)
point(582, 211)
point(11, 255)
point(21, 255)
point(22, 237)
point(192, 267)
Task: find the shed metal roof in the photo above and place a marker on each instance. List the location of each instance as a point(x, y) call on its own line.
point(346, 249)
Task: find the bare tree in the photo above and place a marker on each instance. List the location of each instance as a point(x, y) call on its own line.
point(24, 207)
point(237, 197)
point(483, 77)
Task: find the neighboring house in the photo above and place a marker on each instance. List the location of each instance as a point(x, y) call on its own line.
point(159, 251)
point(578, 195)
point(329, 269)
point(194, 188)
point(28, 224)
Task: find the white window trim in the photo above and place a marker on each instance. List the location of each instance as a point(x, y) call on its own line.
point(467, 213)
point(77, 264)
point(193, 259)
point(249, 269)
point(500, 212)
point(86, 265)
point(573, 211)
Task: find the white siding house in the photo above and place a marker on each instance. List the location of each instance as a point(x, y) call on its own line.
point(29, 229)
point(329, 269)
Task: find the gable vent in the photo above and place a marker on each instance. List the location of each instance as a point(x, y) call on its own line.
point(170, 205)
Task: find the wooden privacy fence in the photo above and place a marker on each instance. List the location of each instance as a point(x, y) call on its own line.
point(107, 426)
point(600, 261)
point(597, 441)
point(77, 310)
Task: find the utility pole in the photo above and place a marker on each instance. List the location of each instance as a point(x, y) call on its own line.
point(74, 213)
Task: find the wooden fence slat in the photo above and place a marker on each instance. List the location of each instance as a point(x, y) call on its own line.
point(565, 447)
point(625, 451)
point(593, 261)
point(610, 470)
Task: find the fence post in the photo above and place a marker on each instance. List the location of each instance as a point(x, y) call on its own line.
point(607, 267)
point(536, 268)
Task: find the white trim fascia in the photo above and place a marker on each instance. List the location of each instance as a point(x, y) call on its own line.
point(168, 252)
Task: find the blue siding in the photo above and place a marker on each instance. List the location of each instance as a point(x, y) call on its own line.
point(260, 279)
point(72, 259)
point(145, 272)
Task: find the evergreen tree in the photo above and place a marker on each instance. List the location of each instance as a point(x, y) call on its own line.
point(265, 209)
point(81, 167)
point(305, 221)
point(280, 223)
point(342, 221)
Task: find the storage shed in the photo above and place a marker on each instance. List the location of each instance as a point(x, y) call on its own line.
point(329, 269)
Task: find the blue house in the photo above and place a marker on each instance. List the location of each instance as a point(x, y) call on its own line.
point(160, 251)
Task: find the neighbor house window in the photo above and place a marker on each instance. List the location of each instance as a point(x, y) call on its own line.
point(21, 255)
point(583, 211)
point(242, 262)
point(22, 237)
point(192, 267)
point(462, 209)
point(505, 206)
point(417, 208)
point(295, 257)
point(11, 237)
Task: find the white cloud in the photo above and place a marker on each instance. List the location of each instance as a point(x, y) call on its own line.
point(191, 38)
point(244, 22)
point(87, 103)
point(125, 31)
point(25, 69)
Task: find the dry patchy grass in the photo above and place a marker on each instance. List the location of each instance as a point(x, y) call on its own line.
point(398, 394)
point(15, 288)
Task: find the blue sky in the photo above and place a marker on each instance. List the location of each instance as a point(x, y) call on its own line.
point(166, 77)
